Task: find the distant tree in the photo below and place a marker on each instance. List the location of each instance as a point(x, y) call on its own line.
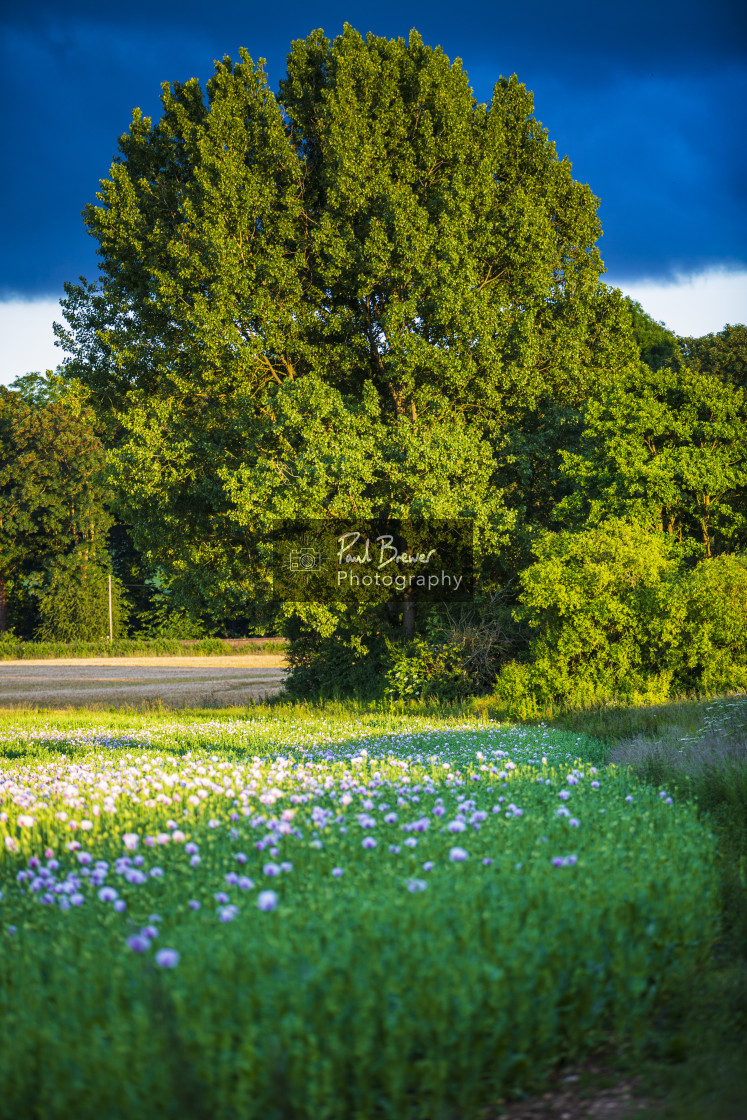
point(658, 345)
point(52, 486)
point(722, 355)
point(667, 449)
point(74, 601)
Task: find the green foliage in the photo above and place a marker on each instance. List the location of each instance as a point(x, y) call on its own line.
point(615, 614)
point(52, 485)
point(551, 959)
point(13, 649)
point(331, 657)
point(423, 669)
point(74, 602)
point(711, 608)
point(669, 450)
point(659, 347)
point(168, 622)
point(338, 301)
point(722, 355)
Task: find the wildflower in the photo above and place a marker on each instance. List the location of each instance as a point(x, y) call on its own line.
point(232, 878)
point(167, 958)
point(487, 862)
point(458, 855)
point(163, 838)
point(267, 900)
point(574, 823)
point(240, 857)
point(564, 794)
point(120, 906)
point(191, 848)
point(245, 883)
point(130, 841)
point(369, 842)
point(86, 825)
point(11, 843)
point(595, 785)
point(411, 842)
point(150, 931)
point(456, 826)
point(221, 897)
point(77, 899)
point(108, 894)
point(194, 904)
point(25, 821)
point(271, 869)
point(337, 872)
point(629, 797)
point(428, 865)
point(156, 873)
point(138, 943)
point(394, 849)
point(669, 801)
point(195, 861)
point(286, 866)
point(415, 885)
point(228, 913)
point(177, 836)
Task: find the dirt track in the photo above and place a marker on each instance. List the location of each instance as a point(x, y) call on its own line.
point(135, 681)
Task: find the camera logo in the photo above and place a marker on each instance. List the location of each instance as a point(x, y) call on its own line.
point(305, 560)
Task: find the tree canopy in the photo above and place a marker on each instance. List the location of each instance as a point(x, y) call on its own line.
point(337, 300)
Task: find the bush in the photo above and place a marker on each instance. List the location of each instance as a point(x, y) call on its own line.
point(615, 615)
point(422, 670)
point(712, 606)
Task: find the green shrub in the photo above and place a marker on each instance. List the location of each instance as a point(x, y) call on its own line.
point(711, 653)
point(421, 670)
point(596, 603)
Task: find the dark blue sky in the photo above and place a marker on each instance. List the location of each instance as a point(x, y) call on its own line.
point(648, 100)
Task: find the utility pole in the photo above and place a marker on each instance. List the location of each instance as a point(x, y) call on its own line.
point(111, 621)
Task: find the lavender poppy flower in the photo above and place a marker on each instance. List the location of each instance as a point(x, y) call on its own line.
point(458, 855)
point(267, 900)
point(167, 958)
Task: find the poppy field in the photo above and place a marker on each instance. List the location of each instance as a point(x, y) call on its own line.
point(321, 918)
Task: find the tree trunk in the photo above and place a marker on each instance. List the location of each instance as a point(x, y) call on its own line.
point(408, 617)
point(3, 606)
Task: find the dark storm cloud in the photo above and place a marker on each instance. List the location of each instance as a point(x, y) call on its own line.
point(647, 100)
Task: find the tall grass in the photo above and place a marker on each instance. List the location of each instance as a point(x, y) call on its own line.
point(11, 650)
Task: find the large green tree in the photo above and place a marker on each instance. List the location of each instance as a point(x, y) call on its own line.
point(351, 298)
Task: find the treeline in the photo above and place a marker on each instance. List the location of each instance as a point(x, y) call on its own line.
point(62, 545)
point(367, 295)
